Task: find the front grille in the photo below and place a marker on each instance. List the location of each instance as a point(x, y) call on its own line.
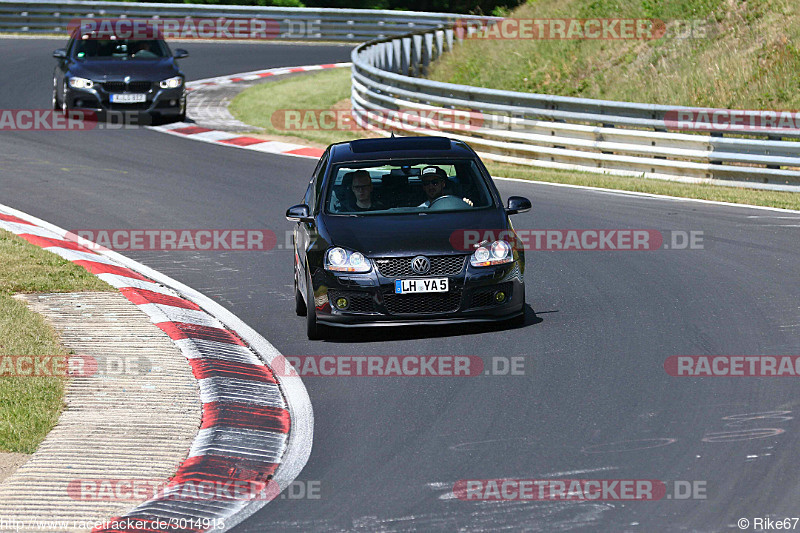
point(139, 86)
point(426, 303)
point(121, 87)
point(485, 297)
point(360, 302)
point(441, 265)
point(114, 86)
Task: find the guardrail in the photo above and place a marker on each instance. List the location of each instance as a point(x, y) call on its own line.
point(621, 138)
point(327, 24)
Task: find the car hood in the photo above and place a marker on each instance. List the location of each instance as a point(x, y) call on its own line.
point(118, 69)
point(401, 235)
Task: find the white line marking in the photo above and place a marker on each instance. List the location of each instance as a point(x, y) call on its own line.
point(647, 195)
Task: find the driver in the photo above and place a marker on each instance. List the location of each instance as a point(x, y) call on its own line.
point(434, 180)
point(144, 49)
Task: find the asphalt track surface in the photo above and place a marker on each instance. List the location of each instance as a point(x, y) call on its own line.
point(595, 400)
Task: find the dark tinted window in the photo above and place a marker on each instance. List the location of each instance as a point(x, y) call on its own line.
point(405, 187)
point(314, 187)
point(120, 49)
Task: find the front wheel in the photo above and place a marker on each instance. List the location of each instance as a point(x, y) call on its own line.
point(56, 105)
point(519, 321)
point(313, 330)
point(299, 303)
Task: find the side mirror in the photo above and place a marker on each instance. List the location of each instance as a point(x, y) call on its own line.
point(517, 204)
point(299, 213)
point(179, 53)
point(60, 53)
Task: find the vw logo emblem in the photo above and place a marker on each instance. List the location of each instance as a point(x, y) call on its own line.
point(421, 264)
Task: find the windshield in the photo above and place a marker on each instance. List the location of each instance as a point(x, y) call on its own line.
point(120, 48)
point(390, 188)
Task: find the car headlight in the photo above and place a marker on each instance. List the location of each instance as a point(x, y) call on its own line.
point(497, 253)
point(172, 83)
point(81, 83)
point(341, 260)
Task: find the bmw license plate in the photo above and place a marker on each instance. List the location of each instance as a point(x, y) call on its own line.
point(406, 286)
point(128, 98)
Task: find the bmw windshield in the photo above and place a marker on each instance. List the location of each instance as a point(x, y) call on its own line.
point(400, 187)
point(90, 48)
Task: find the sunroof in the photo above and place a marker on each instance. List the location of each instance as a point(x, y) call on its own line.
point(399, 143)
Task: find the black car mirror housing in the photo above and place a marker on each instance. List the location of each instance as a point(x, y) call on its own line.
point(299, 213)
point(517, 204)
point(60, 53)
point(180, 53)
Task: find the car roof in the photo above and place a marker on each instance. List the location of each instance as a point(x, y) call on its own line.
point(400, 148)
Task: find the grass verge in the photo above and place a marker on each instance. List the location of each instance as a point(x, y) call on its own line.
point(331, 89)
point(715, 53)
point(265, 106)
point(30, 406)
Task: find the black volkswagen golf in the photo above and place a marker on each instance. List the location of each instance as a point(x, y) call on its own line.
point(103, 75)
point(380, 238)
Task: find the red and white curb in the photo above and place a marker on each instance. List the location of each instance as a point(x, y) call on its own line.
point(254, 75)
point(199, 133)
point(255, 427)
point(236, 140)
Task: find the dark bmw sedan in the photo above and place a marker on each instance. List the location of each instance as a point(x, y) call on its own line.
point(379, 238)
point(136, 76)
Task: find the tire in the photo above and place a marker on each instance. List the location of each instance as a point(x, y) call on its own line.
point(182, 116)
point(313, 330)
point(299, 303)
point(519, 321)
point(56, 105)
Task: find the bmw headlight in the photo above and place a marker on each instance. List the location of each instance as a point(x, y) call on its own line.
point(172, 83)
point(341, 260)
point(81, 83)
point(497, 253)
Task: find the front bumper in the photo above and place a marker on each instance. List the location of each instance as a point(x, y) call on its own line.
point(158, 102)
point(372, 301)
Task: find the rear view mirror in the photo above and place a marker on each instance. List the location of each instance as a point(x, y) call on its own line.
point(60, 53)
point(299, 213)
point(180, 53)
point(517, 204)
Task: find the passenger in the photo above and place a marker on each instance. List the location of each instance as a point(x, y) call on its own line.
point(362, 190)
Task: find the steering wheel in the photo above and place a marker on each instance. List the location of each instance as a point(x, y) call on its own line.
point(452, 202)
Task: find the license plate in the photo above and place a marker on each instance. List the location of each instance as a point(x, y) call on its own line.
point(406, 286)
point(128, 98)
